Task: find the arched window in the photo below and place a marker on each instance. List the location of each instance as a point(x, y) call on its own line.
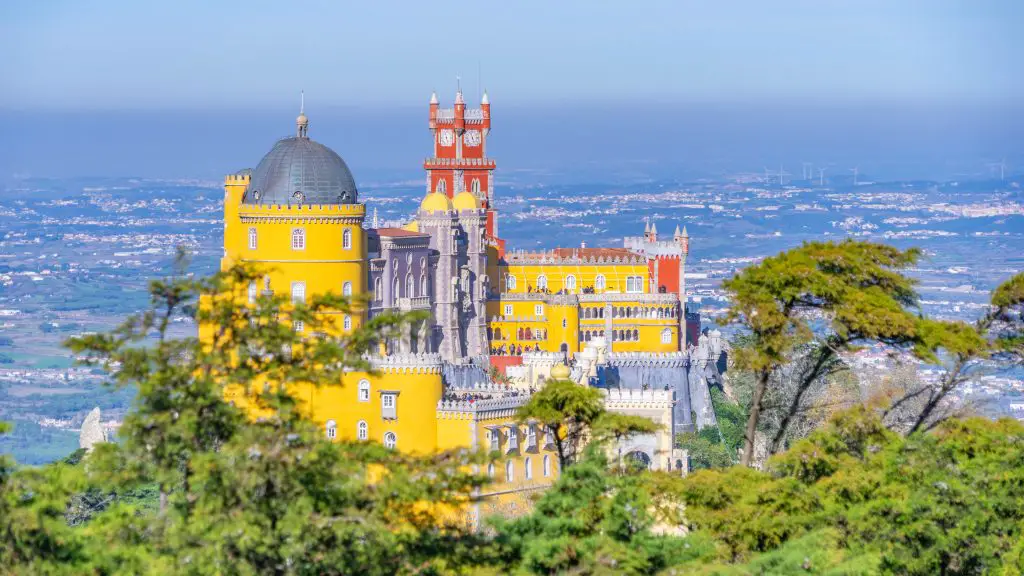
point(362, 430)
point(253, 292)
point(510, 282)
point(475, 186)
point(390, 440)
point(546, 464)
point(346, 289)
point(378, 289)
point(441, 187)
point(298, 292)
point(528, 464)
point(510, 471)
point(666, 336)
point(332, 429)
point(490, 470)
point(570, 282)
point(396, 292)
point(346, 240)
point(410, 286)
point(252, 238)
point(364, 390)
point(423, 285)
point(298, 239)
point(347, 322)
point(542, 282)
point(636, 335)
point(599, 282)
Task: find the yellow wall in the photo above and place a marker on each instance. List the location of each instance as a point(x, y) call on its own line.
point(615, 275)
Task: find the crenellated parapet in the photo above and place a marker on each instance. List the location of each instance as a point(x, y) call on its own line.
point(539, 358)
point(555, 258)
point(302, 213)
point(649, 359)
point(633, 398)
point(480, 409)
point(407, 363)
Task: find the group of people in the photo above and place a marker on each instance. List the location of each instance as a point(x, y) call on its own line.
point(474, 396)
point(513, 349)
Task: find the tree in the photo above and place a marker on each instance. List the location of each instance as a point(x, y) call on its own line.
point(961, 348)
point(236, 495)
point(854, 290)
point(574, 414)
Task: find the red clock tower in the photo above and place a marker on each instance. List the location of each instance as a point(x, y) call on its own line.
point(460, 159)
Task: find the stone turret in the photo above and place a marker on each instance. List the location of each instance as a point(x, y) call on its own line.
point(92, 431)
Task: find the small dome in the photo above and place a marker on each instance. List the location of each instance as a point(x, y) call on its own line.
point(466, 201)
point(560, 372)
point(436, 202)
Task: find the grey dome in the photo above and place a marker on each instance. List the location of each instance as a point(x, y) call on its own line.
point(298, 170)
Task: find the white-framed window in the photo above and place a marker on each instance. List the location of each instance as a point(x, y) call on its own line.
point(513, 438)
point(346, 289)
point(441, 186)
point(423, 285)
point(410, 286)
point(531, 437)
point(528, 467)
point(378, 289)
point(538, 309)
point(298, 239)
point(364, 390)
point(510, 282)
point(346, 239)
point(490, 470)
point(599, 282)
point(347, 322)
point(494, 439)
point(390, 440)
point(508, 309)
point(298, 325)
point(362, 430)
point(389, 405)
point(396, 293)
point(542, 282)
point(332, 429)
point(252, 238)
point(549, 438)
point(510, 471)
point(634, 284)
point(298, 292)
point(666, 336)
point(254, 291)
point(474, 186)
point(570, 282)
point(546, 465)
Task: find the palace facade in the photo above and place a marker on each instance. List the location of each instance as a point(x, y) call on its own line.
point(613, 318)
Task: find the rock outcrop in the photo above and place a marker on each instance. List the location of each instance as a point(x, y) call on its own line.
point(92, 431)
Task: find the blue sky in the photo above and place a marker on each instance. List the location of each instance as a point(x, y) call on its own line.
point(228, 54)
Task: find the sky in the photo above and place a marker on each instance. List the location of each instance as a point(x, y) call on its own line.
point(581, 88)
point(198, 54)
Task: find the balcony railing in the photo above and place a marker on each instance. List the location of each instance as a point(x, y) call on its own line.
point(414, 303)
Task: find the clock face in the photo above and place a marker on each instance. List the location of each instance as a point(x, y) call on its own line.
point(472, 138)
point(447, 137)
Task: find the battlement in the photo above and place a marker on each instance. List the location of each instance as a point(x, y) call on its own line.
point(237, 179)
point(459, 163)
point(506, 404)
point(351, 210)
point(539, 357)
point(633, 396)
point(407, 363)
point(575, 257)
point(660, 359)
point(659, 248)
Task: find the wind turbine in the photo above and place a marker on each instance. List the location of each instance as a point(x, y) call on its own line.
point(767, 175)
point(782, 175)
point(855, 172)
point(808, 170)
point(1002, 168)
point(821, 176)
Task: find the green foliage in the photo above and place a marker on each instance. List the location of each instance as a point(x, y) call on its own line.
point(731, 419)
point(942, 503)
point(706, 449)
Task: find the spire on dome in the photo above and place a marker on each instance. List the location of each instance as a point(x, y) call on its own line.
point(302, 122)
point(654, 228)
point(433, 97)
